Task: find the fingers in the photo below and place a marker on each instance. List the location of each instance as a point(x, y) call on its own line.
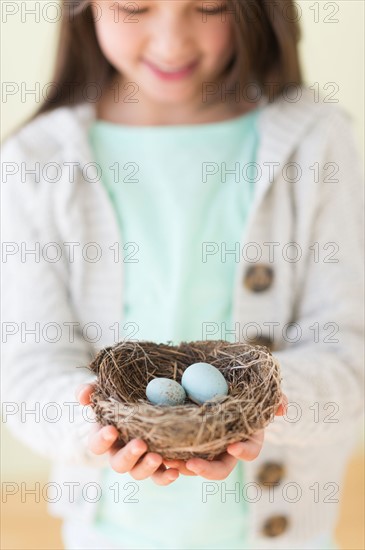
point(130, 457)
point(125, 459)
point(179, 465)
point(247, 450)
point(283, 405)
point(133, 458)
point(102, 438)
point(214, 469)
point(147, 466)
point(165, 476)
point(83, 393)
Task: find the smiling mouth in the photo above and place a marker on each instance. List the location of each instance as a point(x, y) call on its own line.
point(176, 72)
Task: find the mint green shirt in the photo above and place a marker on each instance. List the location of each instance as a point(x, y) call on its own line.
point(181, 195)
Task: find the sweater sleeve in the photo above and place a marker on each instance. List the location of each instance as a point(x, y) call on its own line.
point(323, 373)
point(44, 352)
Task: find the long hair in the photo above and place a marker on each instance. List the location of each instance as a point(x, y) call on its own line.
point(266, 35)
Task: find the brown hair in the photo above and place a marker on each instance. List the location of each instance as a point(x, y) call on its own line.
point(266, 34)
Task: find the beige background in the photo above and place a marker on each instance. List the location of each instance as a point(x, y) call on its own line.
point(333, 59)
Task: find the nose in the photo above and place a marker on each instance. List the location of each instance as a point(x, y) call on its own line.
point(171, 41)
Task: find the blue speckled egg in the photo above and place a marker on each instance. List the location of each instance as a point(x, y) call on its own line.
point(164, 391)
point(203, 382)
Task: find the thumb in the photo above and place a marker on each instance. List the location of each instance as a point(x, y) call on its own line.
point(83, 392)
point(281, 410)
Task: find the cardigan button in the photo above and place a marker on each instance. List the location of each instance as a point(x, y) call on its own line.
point(275, 526)
point(259, 277)
point(270, 473)
point(262, 341)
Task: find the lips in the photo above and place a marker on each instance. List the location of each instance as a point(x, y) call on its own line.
point(173, 72)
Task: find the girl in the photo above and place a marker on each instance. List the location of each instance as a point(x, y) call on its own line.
point(181, 183)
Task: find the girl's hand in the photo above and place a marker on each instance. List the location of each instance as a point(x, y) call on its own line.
point(129, 458)
point(222, 466)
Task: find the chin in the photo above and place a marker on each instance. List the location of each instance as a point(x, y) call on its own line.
point(160, 94)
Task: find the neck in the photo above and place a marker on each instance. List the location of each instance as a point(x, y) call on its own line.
point(150, 113)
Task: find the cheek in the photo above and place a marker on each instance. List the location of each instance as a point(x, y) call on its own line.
point(118, 41)
point(216, 40)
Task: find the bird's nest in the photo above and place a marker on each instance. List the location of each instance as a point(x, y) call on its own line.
point(188, 430)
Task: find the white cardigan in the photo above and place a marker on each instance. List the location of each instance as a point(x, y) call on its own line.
point(322, 369)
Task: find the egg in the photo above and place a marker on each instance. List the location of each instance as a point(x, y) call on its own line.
point(203, 382)
point(166, 392)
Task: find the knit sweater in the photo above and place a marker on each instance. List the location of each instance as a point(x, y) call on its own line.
point(306, 225)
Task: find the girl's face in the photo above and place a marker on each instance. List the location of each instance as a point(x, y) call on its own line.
point(169, 48)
